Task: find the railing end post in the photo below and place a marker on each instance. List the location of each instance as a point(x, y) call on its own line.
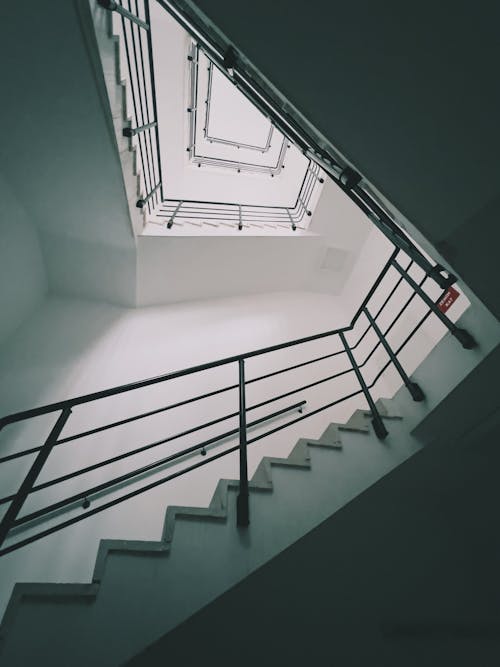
point(467, 341)
point(436, 273)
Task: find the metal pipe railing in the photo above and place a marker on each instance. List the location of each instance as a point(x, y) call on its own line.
point(196, 103)
point(241, 215)
point(250, 83)
point(142, 88)
point(12, 522)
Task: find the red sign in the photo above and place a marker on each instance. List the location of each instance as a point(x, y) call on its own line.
point(448, 299)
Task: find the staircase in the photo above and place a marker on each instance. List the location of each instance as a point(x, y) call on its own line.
point(151, 587)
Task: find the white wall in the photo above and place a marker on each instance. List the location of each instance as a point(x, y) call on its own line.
point(71, 347)
point(61, 150)
point(184, 180)
point(23, 282)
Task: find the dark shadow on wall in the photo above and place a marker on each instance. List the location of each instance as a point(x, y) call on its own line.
point(406, 574)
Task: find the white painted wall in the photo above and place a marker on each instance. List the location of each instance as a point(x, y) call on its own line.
point(23, 281)
point(71, 347)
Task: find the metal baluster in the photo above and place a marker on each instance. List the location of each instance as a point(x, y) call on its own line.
point(242, 509)
point(463, 336)
point(378, 425)
point(416, 392)
point(25, 488)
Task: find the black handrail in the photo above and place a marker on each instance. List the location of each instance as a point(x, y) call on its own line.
point(250, 83)
point(192, 110)
point(11, 521)
point(218, 140)
point(238, 215)
point(141, 80)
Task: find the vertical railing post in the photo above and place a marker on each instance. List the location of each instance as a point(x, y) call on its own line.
point(416, 392)
point(153, 93)
point(242, 510)
point(378, 425)
point(463, 336)
point(172, 217)
point(292, 221)
point(25, 488)
point(240, 223)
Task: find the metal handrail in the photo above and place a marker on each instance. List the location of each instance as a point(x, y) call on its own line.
point(135, 28)
point(251, 85)
point(192, 110)
point(12, 522)
point(240, 215)
point(228, 142)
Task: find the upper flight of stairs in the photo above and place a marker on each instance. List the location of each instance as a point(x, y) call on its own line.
point(141, 589)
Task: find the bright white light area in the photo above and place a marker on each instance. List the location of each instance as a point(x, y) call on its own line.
point(232, 116)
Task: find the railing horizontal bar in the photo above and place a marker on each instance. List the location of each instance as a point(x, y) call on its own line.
point(111, 503)
point(309, 176)
point(227, 212)
point(226, 164)
point(121, 422)
point(379, 311)
point(139, 450)
point(227, 142)
point(158, 482)
point(403, 344)
point(292, 368)
point(305, 416)
point(408, 301)
point(113, 391)
point(295, 391)
point(143, 469)
point(377, 282)
point(393, 323)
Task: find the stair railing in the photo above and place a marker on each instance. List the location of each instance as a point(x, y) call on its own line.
point(199, 111)
point(250, 83)
point(137, 42)
point(12, 522)
point(175, 211)
point(206, 124)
